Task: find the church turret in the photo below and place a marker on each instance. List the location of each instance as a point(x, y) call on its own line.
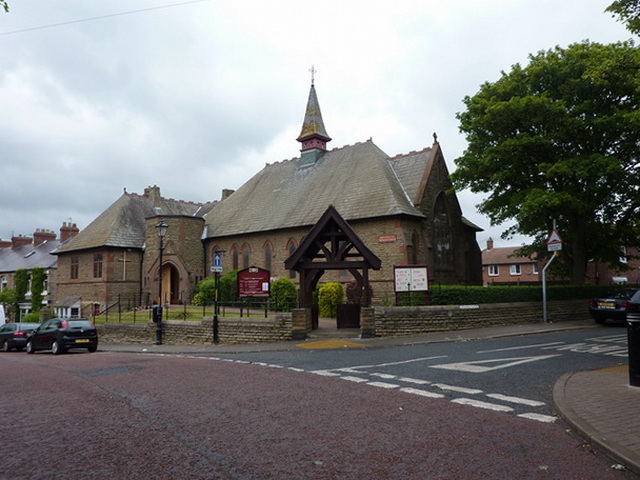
point(313, 136)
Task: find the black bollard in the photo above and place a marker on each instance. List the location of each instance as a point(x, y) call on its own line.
point(633, 342)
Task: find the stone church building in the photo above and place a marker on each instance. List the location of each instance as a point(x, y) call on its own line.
point(401, 207)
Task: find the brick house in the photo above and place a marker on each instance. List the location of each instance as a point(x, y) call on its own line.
point(401, 207)
point(504, 266)
point(23, 252)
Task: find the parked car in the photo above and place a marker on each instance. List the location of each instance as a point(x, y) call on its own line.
point(613, 306)
point(14, 335)
point(61, 334)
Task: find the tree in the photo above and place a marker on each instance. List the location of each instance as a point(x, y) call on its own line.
point(4, 4)
point(21, 280)
point(38, 277)
point(559, 140)
point(627, 11)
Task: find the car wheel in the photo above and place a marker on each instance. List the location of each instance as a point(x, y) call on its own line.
point(5, 346)
point(92, 349)
point(600, 321)
point(30, 348)
point(56, 349)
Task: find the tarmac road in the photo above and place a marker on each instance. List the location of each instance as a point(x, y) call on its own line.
point(132, 416)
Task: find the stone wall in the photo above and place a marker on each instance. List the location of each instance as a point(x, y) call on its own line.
point(398, 321)
point(230, 330)
point(375, 322)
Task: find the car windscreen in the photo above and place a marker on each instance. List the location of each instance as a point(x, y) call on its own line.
point(28, 326)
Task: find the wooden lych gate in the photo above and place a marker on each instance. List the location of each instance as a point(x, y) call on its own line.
point(331, 245)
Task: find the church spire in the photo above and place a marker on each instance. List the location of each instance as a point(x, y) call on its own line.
point(313, 136)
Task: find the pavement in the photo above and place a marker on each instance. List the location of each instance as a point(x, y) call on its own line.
point(599, 404)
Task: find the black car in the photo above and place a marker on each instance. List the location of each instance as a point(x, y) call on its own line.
point(61, 334)
point(14, 335)
point(613, 306)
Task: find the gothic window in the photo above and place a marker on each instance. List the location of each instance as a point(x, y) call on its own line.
point(234, 257)
point(412, 249)
point(442, 234)
point(245, 256)
point(267, 256)
point(291, 248)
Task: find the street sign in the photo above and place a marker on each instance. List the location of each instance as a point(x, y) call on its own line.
point(554, 242)
point(216, 269)
point(217, 261)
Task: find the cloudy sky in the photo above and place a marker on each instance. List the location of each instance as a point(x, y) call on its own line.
point(196, 96)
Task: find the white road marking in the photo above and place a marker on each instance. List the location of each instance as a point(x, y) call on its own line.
point(403, 362)
point(538, 417)
point(522, 401)
point(480, 366)
point(485, 405)
point(326, 373)
point(452, 388)
point(384, 375)
point(417, 381)
point(535, 345)
point(383, 385)
point(355, 379)
point(422, 393)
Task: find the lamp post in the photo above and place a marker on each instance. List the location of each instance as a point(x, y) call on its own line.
point(161, 230)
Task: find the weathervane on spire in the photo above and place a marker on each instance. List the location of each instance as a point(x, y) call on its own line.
point(313, 74)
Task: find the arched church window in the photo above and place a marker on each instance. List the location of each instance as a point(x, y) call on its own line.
point(245, 256)
point(442, 234)
point(292, 248)
point(412, 250)
point(234, 257)
point(267, 256)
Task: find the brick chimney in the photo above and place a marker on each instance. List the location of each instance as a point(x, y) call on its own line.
point(67, 231)
point(490, 243)
point(41, 235)
point(20, 241)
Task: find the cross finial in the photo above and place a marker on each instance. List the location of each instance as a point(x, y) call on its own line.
point(435, 137)
point(313, 74)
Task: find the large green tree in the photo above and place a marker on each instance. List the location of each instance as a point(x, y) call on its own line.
point(628, 12)
point(559, 139)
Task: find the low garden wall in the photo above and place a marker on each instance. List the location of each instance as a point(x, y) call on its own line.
point(398, 321)
point(374, 322)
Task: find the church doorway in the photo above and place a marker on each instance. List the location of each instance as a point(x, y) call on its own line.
point(170, 284)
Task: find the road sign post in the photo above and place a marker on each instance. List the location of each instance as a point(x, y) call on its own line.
point(554, 244)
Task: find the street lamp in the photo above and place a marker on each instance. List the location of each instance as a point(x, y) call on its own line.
point(161, 230)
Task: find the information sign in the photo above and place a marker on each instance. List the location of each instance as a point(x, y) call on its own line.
point(411, 278)
point(253, 282)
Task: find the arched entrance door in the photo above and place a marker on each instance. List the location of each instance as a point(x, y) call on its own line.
point(170, 284)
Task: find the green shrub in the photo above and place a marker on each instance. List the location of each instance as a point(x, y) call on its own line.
point(283, 295)
point(31, 318)
point(206, 292)
point(330, 295)
point(229, 286)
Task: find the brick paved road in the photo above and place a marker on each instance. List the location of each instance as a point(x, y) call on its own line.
point(153, 417)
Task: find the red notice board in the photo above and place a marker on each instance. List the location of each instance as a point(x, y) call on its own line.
point(253, 282)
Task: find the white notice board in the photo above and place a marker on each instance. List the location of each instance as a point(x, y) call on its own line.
point(411, 278)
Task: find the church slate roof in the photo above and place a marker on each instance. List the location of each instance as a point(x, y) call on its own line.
point(123, 223)
point(28, 257)
point(358, 180)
